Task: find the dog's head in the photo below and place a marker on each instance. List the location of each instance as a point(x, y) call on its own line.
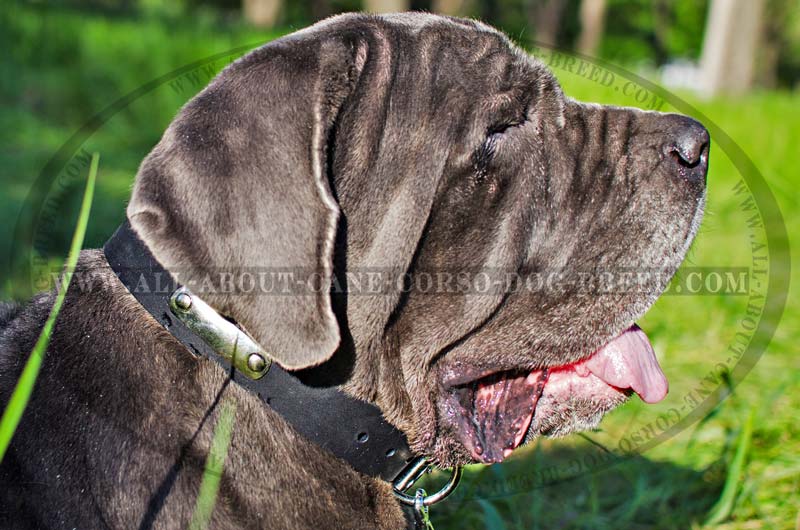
point(402, 150)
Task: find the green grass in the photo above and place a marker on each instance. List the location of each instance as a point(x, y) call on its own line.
point(24, 388)
point(207, 496)
point(723, 509)
point(706, 473)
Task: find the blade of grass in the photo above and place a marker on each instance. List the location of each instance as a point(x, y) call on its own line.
point(22, 391)
point(726, 389)
point(492, 520)
point(536, 496)
point(207, 496)
point(724, 506)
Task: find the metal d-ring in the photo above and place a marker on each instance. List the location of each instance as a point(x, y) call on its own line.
point(412, 473)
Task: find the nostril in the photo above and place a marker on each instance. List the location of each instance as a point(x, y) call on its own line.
point(690, 155)
point(687, 142)
point(685, 147)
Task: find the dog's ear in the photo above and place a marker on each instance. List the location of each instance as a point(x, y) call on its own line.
point(235, 198)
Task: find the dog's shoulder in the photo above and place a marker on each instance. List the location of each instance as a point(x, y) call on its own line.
point(75, 394)
point(8, 310)
point(20, 326)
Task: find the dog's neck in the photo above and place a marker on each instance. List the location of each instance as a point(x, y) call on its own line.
point(358, 435)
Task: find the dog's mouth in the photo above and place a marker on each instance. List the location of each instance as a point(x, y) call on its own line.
point(493, 414)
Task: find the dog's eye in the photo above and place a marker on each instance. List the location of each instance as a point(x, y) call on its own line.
point(484, 154)
point(494, 134)
point(501, 128)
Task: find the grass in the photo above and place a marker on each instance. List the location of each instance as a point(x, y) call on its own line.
point(720, 473)
point(724, 507)
point(207, 496)
point(22, 391)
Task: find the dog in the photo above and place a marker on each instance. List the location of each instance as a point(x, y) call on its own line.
point(411, 146)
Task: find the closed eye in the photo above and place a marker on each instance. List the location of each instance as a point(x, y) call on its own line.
point(484, 154)
point(501, 128)
point(494, 134)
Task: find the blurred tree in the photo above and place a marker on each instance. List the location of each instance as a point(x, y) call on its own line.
point(661, 24)
point(653, 32)
point(320, 9)
point(454, 8)
point(640, 33)
point(593, 17)
point(489, 10)
point(262, 13)
point(545, 17)
point(779, 58)
point(733, 34)
point(385, 6)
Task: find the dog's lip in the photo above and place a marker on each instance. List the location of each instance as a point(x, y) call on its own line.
point(460, 375)
point(626, 361)
point(457, 374)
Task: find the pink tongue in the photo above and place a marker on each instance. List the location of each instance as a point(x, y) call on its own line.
point(629, 361)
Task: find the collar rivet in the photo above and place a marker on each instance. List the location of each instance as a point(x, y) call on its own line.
point(183, 301)
point(256, 362)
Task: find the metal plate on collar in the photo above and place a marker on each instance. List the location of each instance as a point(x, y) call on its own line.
point(227, 340)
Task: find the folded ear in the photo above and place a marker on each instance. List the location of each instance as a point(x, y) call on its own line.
point(237, 191)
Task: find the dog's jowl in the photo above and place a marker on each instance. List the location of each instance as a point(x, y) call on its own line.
point(408, 224)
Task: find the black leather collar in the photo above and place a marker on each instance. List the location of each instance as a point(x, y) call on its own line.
point(353, 430)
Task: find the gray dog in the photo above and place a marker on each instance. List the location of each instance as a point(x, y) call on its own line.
point(412, 146)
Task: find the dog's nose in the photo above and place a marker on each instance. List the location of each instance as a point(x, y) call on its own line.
point(687, 143)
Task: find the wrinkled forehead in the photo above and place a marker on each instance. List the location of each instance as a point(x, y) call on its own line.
point(442, 57)
point(468, 44)
point(451, 49)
